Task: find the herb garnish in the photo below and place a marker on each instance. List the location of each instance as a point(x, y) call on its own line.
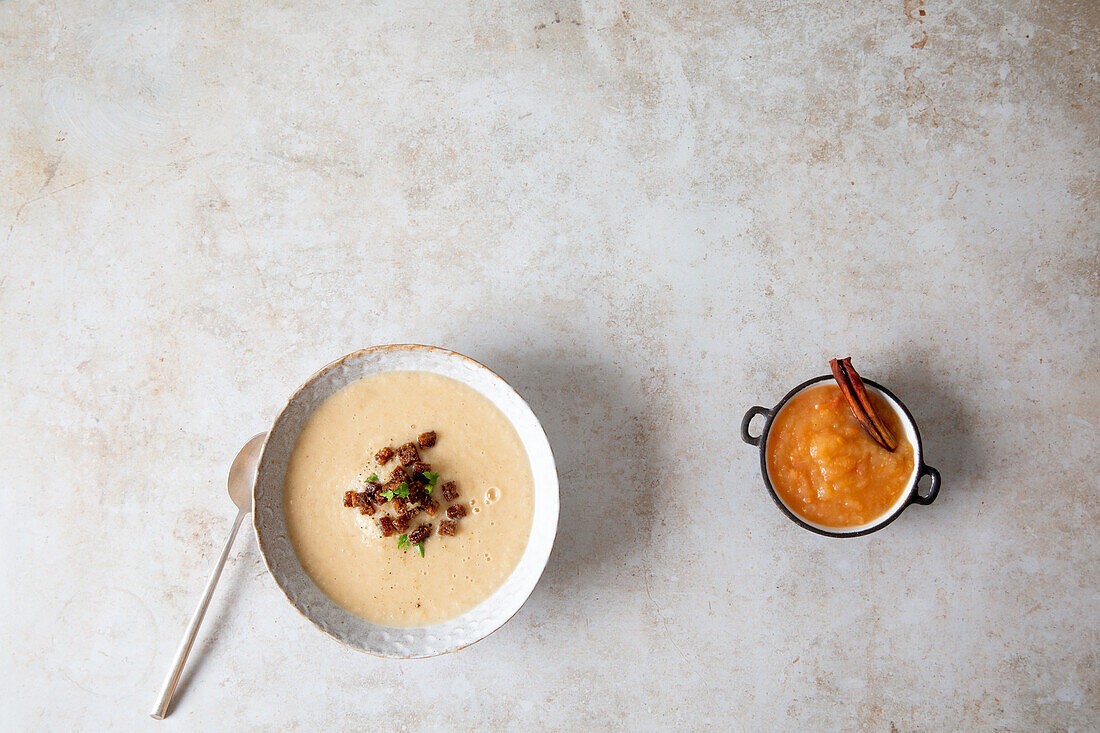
point(403, 544)
point(373, 478)
point(432, 477)
point(402, 491)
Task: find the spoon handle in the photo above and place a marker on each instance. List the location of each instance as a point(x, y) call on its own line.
point(169, 687)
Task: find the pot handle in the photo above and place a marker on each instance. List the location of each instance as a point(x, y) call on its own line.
point(753, 412)
point(933, 490)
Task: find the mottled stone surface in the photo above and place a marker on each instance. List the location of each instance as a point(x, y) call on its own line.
point(648, 217)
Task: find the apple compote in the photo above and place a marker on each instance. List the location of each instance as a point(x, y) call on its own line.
point(827, 469)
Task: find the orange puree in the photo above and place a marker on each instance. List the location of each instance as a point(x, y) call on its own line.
point(824, 465)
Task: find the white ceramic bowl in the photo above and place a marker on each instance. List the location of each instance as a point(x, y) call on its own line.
point(270, 521)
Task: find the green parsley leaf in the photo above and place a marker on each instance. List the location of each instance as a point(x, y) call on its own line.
point(403, 542)
point(420, 546)
point(432, 477)
point(387, 494)
point(373, 478)
point(402, 490)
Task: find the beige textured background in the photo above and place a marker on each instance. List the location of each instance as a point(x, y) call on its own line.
point(648, 217)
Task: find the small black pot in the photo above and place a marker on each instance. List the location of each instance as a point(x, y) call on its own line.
point(912, 496)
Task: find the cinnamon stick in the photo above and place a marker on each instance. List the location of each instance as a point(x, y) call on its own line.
point(856, 394)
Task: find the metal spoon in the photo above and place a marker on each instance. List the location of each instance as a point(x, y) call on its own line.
point(242, 474)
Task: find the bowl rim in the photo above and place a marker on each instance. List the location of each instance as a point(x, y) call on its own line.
point(910, 496)
point(553, 487)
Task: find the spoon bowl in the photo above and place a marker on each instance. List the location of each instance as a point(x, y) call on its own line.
point(242, 474)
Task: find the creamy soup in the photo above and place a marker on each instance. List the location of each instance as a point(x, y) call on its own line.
point(344, 551)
